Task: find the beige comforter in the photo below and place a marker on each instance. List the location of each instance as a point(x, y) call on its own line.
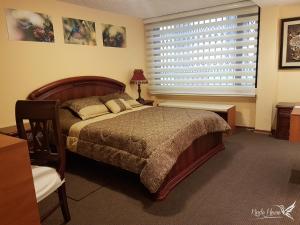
point(146, 141)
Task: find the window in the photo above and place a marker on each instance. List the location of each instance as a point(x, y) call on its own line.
point(211, 54)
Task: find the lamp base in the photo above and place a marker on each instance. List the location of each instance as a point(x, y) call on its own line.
point(140, 100)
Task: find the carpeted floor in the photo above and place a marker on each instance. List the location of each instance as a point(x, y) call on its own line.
point(254, 173)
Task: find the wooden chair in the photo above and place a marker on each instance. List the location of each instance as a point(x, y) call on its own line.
point(46, 150)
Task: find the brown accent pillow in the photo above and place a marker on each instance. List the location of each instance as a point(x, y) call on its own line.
point(86, 108)
point(132, 102)
point(117, 105)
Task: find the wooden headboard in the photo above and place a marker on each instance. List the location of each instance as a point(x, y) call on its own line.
point(77, 87)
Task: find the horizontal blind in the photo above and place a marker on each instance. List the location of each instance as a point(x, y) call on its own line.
point(211, 54)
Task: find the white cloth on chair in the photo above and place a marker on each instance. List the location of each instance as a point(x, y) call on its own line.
point(46, 180)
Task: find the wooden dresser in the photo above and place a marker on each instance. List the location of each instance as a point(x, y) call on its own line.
point(295, 125)
point(284, 110)
point(18, 204)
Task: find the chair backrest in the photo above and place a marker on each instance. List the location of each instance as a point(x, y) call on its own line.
point(44, 139)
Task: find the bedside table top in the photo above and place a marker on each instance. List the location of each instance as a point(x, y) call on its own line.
point(6, 140)
point(286, 104)
point(12, 130)
point(148, 101)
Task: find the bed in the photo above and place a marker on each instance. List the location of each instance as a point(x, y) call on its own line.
point(162, 152)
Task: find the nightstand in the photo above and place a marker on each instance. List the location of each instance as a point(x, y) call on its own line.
point(147, 102)
point(284, 110)
point(12, 130)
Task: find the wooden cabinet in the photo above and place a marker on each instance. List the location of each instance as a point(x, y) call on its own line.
point(295, 125)
point(18, 204)
point(284, 110)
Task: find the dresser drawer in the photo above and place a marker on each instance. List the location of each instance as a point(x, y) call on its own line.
point(284, 112)
point(283, 121)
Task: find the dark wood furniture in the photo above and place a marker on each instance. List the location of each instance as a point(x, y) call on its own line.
point(284, 110)
point(13, 131)
point(77, 87)
point(200, 151)
point(147, 102)
point(45, 141)
point(17, 196)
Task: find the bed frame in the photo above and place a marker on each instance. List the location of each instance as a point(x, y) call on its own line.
point(195, 155)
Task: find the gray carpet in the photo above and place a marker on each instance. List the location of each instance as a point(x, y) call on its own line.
point(80, 192)
point(254, 172)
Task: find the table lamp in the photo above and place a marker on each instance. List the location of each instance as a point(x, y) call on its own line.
point(139, 78)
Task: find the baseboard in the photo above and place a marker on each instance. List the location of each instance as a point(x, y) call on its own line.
point(263, 131)
point(244, 127)
point(256, 130)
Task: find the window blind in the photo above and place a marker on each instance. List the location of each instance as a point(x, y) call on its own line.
point(211, 54)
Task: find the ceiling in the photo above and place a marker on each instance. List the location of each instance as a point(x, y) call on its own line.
point(154, 8)
point(149, 8)
point(275, 2)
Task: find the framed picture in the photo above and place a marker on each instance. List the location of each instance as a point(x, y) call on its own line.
point(290, 43)
point(25, 25)
point(78, 31)
point(113, 36)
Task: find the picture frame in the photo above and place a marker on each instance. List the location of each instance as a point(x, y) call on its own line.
point(113, 36)
point(26, 25)
point(79, 31)
point(290, 43)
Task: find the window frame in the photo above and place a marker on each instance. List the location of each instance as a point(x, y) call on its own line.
point(219, 93)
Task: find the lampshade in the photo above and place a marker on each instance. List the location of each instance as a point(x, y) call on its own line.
point(138, 77)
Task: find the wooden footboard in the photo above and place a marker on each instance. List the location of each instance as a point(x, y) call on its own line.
point(194, 156)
